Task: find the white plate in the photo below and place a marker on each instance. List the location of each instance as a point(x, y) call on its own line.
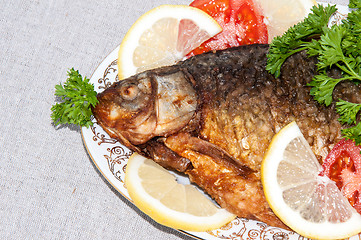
point(110, 157)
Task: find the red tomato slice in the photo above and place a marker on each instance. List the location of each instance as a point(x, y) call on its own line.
point(241, 21)
point(343, 165)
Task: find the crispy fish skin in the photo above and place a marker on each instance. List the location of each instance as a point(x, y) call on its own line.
point(226, 109)
point(244, 106)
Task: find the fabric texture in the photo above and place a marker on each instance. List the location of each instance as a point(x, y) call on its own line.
point(49, 187)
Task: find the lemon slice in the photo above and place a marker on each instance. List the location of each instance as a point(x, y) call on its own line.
point(279, 15)
point(310, 204)
point(163, 36)
point(157, 193)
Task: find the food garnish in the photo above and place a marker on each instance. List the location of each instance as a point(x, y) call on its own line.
point(310, 204)
point(163, 36)
point(77, 97)
point(249, 22)
point(241, 21)
point(337, 46)
point(157, 193)
point(343, 165)
point(295, 39)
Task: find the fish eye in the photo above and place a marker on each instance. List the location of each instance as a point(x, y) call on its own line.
point(129, 92)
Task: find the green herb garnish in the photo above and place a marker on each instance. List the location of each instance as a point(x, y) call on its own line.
point(336, 46)
point(348, 113)
point(355, 4)
point(77, 96)
point(297, 38)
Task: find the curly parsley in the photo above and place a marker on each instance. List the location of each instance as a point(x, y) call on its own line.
point(77, 96)
point(297, 38)
point(336, 46)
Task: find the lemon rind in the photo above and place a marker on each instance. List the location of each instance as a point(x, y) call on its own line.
point(145, 21)
point(325, 230)
point(162, 214)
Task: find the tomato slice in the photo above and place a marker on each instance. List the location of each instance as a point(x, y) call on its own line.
point(343, 165)
point(241, 21)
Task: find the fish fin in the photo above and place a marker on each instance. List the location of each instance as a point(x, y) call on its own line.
point(192, 147)
point(165, 157)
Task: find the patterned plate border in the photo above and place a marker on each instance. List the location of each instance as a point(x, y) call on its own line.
point(110, 157)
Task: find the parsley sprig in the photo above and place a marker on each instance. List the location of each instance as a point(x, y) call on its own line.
point(297, 38)
point(77, 96)
point(336, 46)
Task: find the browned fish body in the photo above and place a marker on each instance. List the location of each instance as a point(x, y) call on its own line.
point(213, 116)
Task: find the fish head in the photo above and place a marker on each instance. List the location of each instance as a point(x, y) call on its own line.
point(146, 105)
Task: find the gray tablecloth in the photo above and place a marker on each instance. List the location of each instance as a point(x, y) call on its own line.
point(49, 187)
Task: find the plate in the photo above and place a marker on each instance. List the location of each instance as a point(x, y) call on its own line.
point(110, 157)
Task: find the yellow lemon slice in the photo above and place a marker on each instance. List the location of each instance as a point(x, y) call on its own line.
point(310, 204)
point(156, 192)
point(282, 14)
point(163, 36)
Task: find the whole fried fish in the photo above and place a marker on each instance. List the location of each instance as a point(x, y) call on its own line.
point(213, 116)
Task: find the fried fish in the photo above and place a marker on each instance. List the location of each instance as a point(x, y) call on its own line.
point(213, 116)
